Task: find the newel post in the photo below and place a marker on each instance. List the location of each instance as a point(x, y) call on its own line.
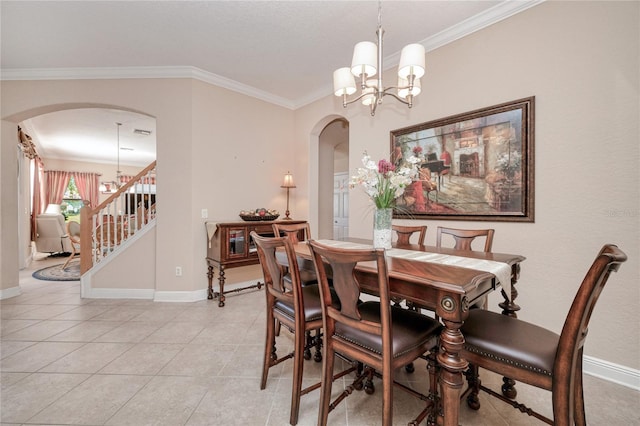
point(85, 238)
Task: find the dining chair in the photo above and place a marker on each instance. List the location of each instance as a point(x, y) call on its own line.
point(375, 333)
point(297, 232)
point(464, 237)
point(534, 355)
point(294, 231)
point(108, 236)
point(404, 233)
point(297, 308)
point(73, 231)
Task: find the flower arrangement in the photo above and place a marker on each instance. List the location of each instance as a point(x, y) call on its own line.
point(384, 182)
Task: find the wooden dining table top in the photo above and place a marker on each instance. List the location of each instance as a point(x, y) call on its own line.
point(426, 283)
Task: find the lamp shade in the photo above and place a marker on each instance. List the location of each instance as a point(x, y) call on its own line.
point(411, 61)
point(288, 181)
point(53, 209)
point(365, 57)
point(343, 82)
point(403, 88)
point(369, 92)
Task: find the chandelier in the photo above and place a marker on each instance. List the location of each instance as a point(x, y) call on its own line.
point(367, 62)
point(113, 186)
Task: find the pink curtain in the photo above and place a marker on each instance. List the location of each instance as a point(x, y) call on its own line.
point(57, 182)
point(38, 202)
point(88, 185)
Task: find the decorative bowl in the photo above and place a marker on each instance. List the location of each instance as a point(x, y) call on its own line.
point(261, 214)
point(253, 218)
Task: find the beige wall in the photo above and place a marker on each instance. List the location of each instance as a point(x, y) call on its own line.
point(216, 150)
point(580, 61)
point(8, 212)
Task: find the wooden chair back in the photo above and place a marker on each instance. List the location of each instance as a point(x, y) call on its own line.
point(505, 346)
point(273, 272)
point(292, 231)
point(342, 263)
point(404, 233)
point(464, 237)
point(574, 330)
point(108, 235)
point(73, 230)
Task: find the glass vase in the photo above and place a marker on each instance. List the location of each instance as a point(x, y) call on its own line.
point(382, 228)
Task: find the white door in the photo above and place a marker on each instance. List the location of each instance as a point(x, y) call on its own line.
point(340, 205)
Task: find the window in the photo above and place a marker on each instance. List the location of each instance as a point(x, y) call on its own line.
point(71, 202)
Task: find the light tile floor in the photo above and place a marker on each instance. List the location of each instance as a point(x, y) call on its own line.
point(67, 360)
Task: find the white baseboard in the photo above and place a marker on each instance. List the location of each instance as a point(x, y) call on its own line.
point(10, 292)
point(611, 372)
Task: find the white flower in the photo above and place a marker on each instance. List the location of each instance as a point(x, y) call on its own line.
point(382, 182)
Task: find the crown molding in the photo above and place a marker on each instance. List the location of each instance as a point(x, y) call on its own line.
point(482, 20)
point(111, 73)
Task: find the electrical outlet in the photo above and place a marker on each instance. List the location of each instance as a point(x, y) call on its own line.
point(178, 271)
point(205, 213)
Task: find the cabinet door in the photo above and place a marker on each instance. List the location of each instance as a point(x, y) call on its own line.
point(237, 243)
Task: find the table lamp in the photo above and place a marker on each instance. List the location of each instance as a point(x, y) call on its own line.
point(288, 184)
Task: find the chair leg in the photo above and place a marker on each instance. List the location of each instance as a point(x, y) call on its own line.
point(317, 356)
point(474, 384)
point(269, 348)
point(434, 373)
point(578, 397)
point(369, 388)
point(307, 350)
point(298, 366)
point(69, 259)
point(327, 381)
point(387, 397)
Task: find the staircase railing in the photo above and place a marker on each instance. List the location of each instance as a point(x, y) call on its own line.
point(127, 211)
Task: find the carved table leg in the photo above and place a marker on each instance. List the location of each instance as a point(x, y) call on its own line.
point(221, 297)
point(451, 342)
point(210, 286)
point(510, 308)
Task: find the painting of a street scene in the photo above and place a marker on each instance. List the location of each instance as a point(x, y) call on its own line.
point(476, 165)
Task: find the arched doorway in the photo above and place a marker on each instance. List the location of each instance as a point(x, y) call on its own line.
point(332, 162)
point(56, 131)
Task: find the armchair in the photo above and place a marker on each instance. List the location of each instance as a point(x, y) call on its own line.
point(51, 235)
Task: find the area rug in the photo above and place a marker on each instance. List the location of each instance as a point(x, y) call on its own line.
point(56, 273)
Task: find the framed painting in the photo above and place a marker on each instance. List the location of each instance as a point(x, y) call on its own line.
point(478, 165)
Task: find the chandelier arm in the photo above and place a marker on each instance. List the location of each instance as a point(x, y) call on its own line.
point(346, 102)
point(408, 102)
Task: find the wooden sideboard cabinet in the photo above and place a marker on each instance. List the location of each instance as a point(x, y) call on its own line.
point(229, 245)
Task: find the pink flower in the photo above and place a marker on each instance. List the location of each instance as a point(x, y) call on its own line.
point(417, 150)
point(385, 166)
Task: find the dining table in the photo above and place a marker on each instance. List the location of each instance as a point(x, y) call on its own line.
point(447, 282)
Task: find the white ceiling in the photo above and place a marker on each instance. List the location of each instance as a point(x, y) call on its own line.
point(280, 51)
